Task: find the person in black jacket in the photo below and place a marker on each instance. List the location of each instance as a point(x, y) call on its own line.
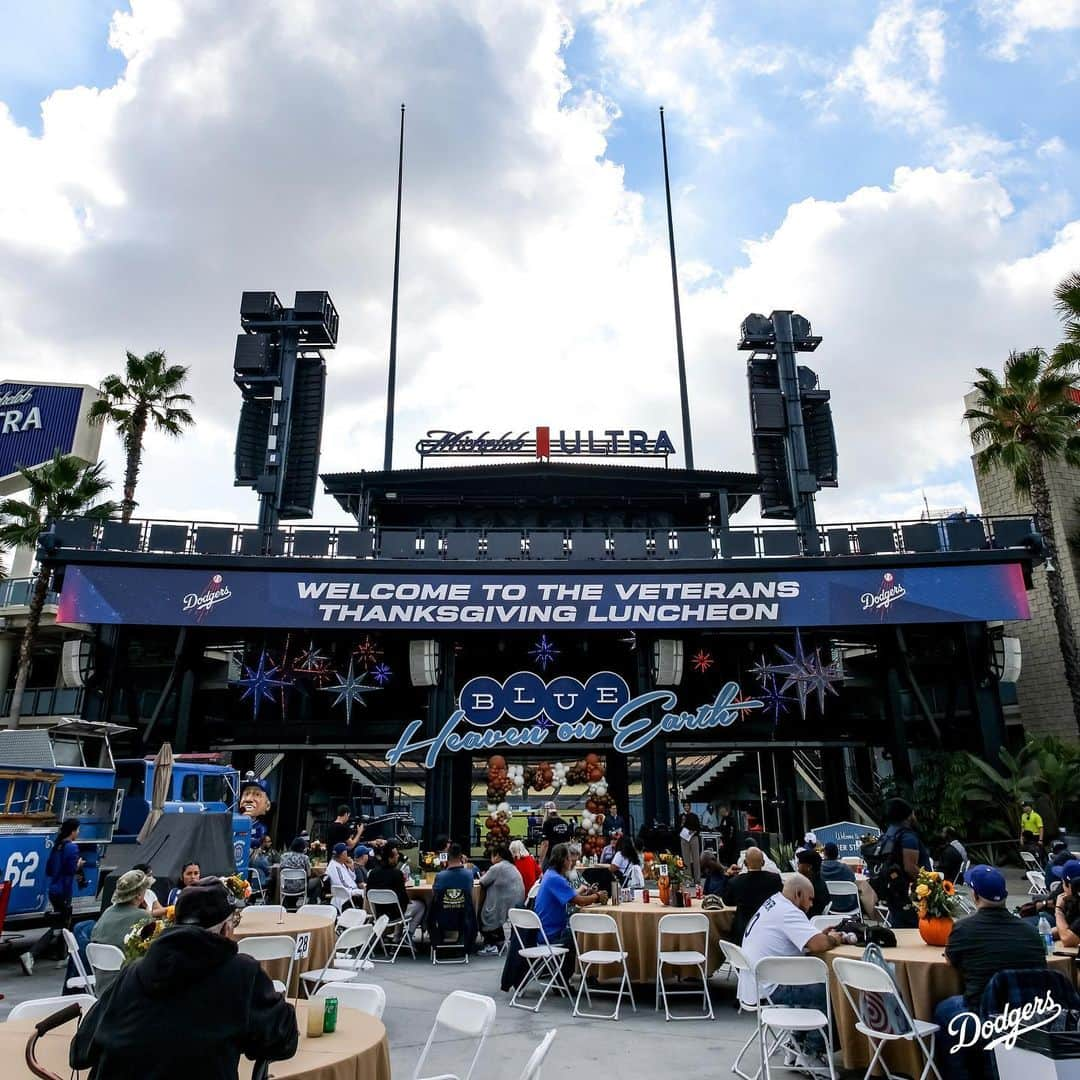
point(190, 1007)
point(746, 892)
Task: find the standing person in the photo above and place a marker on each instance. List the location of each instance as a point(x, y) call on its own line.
point(190, 1007)
point(690, 841)
point(900, 856)
point(339, 831)
point(526, 865)
point(1030, 822)
point(503, 889)
point(62, 867)
point(555, 831)
point(728, 844)
point(980, 946)
point(832, 869)
point(614, 822)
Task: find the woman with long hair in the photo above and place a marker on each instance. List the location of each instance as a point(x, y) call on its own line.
point(626, 865)
point(62, 867)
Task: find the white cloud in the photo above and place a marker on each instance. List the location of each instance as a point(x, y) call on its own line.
point(1053, 147)
point(1017, 20)
point(241, 152)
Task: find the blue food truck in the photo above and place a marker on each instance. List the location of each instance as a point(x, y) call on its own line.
point(47, 775)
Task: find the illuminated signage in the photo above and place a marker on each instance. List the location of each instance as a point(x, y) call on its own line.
point(543, 443)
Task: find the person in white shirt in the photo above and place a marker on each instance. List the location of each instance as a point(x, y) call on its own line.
point(767, 864)
point(341, 873)
point(781, 928)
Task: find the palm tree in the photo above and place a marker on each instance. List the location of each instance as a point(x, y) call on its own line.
point(62, 487)
point(1067, 295)
point(1022, 424)
point(150, 390)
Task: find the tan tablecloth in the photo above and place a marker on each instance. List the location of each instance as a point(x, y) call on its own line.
point(358, 1050)
point(256, 922)
point(424, 892)
point(924, 979)
point(638, 923)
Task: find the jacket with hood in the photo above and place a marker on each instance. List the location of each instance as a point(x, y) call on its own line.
point(190, 1007)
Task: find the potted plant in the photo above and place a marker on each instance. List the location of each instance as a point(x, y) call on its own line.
point(935, 900)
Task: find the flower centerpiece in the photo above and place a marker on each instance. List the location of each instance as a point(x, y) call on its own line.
point(317, 851)
point(143, 934)
point(936, 903)
point(675, 878)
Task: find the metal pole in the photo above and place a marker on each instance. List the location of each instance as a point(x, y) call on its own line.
point(803, 481)
point(388, 449)
point(688, 441)
point(761, 792)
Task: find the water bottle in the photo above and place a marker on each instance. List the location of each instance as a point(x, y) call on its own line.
point(1047, 935)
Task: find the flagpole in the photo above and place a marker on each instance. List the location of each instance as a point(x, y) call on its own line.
point(388, 449)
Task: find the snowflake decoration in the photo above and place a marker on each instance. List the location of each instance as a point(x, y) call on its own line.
point(544, 652)
point(701, 661)
point(367, 653)
point(380, 674)
point(804, 671)
point(261, 682)
point(313, 664)
point(350, 688)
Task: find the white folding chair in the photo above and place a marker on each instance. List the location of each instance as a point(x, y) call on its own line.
point(685, 925)
point(465, 1014)
point(351, 917)
point(83, 980)
point(39, 1008)
point(599, 925)
point(1037, 882)
point(364, 997)
point(258, 886)
point(533, 1065)
point(277, 910)
point(272, 947)
point(325, 911)
point(862, 977)
point(1029, 861)
point(783, 1022)
point(292, 883)
point(739, 964)
point(840, 890)
point(345, 899)
point(104, 959)
point(396, 922)
point(826, 922)
point(340, 966)
point(544, 959)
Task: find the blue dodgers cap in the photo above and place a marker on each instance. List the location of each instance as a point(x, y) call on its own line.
point(1070, 870)
point(339, 848)
point(362, 849)
point(987, 882)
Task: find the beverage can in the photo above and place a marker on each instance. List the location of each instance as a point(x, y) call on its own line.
point(645, 896)
point(330, 1015)
point(699, 891)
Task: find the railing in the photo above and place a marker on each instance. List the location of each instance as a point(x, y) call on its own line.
point(215, 539)
point(16, 592)
point(46, 701)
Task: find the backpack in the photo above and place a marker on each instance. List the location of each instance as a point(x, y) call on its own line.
point(887, 877)
point(882, 1012)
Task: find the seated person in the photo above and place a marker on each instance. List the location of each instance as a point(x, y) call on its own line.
point(625, 866)
point(296, 858)
point(980, 946)
point(263, 859)
point(768, 864)
point(746, 892)
point(126, 910)
point(189, 875)
point(713, 873)
point(1059, 856)
point(555, 898)
point(343, 877)
point(387, 875)
point(360, 858)
point(153, 906)
point(809, 865)
point(782, 927)
point(832, 869)
point(1067, 913)
point(193, 1001)
point(503, 889)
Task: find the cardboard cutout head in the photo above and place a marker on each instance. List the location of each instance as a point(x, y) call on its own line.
point(254, 801)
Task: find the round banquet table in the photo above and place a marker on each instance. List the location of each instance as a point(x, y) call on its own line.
point(257, 922)
point(358, 1050)
point(924, 979)
point(638, 923)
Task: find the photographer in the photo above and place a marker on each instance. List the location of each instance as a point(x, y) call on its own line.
point(342, 831)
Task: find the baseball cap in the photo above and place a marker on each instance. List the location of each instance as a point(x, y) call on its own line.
point(987, 882)
point(362, 849)
point(339, 848)
point(1070, 870)
point(205, 904)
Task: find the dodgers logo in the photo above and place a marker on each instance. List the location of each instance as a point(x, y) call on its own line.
point(891, 590)
point(202, 603)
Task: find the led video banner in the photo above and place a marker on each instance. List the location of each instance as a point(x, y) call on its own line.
point(669, 600)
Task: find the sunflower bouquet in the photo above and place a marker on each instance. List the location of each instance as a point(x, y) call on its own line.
point(935, 898)
point(238, 888)
point(142, 935)
point(676, 869)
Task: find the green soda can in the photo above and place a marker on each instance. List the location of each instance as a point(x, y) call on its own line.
point(330, 1015)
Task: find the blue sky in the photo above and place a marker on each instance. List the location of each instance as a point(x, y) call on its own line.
point(902, 171)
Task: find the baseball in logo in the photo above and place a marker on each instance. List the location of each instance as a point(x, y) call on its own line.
point(890, 591)
point(202, 603)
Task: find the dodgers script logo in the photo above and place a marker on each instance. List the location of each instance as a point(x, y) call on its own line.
point(969, 1029)
point(891, 591)
point(216, 592)
point(572, 709)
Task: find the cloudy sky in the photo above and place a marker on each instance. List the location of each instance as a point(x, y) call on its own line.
point(902, 173)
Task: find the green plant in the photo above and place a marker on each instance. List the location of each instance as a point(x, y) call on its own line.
point(62, 487)
point(149, 391)
point(999, 793)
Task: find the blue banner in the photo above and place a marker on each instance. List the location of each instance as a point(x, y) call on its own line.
point(667, 599)
point(36, 420)
point(847, 836)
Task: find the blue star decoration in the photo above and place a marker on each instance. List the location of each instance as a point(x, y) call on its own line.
point(260, 682)
point(380, 674)
point(544, 652)
point(776, 703)
point(350, 688)
point(804, 671)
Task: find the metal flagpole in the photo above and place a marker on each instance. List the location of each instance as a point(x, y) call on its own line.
point(388, 450)
point(688, 442)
